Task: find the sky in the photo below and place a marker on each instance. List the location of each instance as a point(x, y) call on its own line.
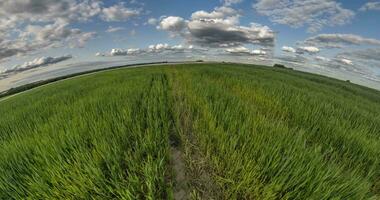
point(41, 39)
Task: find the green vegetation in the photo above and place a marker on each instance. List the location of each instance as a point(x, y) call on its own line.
point(29, 86)
point(243, 132)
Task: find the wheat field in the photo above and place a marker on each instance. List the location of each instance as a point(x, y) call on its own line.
point(194, 131)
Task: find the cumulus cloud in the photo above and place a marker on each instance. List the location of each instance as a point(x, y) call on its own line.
point(38, 62)
point(245, 51)
point(238, 50)
point(366, 62)
point(258, 52)
point(133, 51)
point(339, 40)
point(54, 35)
point(114, 29)
point(374, 5)
point(36, 37)
point(82, 39)
point(152, 21)
point(9, 49)
point(307, 49)
point(99, 54)
point(321, 58)
point(218, 13)
point(312, 13)
point(34, 25)
point(49, 10)
point(221, 33)
point(118, 12)
point(347, 65)
point(151, 49)
point(50, 32)
point(366, 54)
point(158, 48)
point(288, 49)
point(172, 24)
point(121, 52)
point(218, 28)
point(345, 61)
point(231, 2)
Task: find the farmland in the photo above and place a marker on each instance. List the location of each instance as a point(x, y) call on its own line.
point(197, 131)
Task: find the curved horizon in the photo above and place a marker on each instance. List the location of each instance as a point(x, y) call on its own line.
point(42, 39)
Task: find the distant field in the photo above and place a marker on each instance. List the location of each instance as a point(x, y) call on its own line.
point(198, 131)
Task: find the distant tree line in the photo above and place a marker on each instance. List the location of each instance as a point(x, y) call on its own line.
point(281, 66)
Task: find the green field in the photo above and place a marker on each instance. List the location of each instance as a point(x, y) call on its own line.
point(199, 131)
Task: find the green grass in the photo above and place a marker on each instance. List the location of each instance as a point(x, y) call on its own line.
point(245, 132)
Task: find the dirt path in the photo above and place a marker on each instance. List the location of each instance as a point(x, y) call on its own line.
point(180, 188)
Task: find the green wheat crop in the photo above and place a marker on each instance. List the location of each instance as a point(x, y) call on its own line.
point(245, 132)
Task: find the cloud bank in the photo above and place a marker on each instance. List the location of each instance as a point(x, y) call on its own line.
point(340, 40)
point(288, 49)
point(375, 5)
point(218, 28)
point(38, 62)
point(151, 49)
point(28, 26)
point(315, 14)
point(245, 51)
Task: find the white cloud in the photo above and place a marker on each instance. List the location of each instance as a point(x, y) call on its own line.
point(374, 5)
point(152, 49)
point(362, 63)
point(43, 61)
point(114, 29)
point(82, 39)
point(218, 13)
point(307, 49)
point(37, 38)
point(366, 54)
point(218, 28)
point(38, 62)
point(258, 52)
point(121, 52)
point(178, 47)
point(223, 33)
point(231, 2)
point(172, 24)
point(312, 13)
point(245, 51)
point(152, 21)
point(288, 49)
point(133, 51)
point(49, 10)
point(118, 12)
point(337, 40)
point(99, 54)
point(321, 58)
point(157, 48)
point(345, 61)
point(50, 32)
point(238, 50)
point(33, 25)
point(12, 48)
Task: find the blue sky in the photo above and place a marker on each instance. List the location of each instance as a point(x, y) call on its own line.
point(335, 38)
